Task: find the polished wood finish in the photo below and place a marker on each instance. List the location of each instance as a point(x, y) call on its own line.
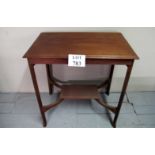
point(110, 79)
point(125, 84)
point(52, 105)
point(49, 77)
point(79, 92)
point(99, 48)
point(111, 108)
point(88, 61)
point(95, 45)
point(36, 88)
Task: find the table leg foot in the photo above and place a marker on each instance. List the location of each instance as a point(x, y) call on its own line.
point(50, 91)
point(44, 123)
point(43, 118)
point(113, 125)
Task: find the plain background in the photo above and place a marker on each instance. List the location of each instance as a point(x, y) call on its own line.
point(15, 76)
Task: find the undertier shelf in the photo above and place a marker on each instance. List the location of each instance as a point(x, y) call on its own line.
point(79, 92)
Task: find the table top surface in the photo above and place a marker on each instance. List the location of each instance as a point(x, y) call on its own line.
point(95, 45)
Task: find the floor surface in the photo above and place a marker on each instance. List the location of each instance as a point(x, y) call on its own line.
point(20, 110)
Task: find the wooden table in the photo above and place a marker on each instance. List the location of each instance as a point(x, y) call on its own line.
point(99, 48)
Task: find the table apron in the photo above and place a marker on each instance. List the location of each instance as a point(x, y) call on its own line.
point(88, 61)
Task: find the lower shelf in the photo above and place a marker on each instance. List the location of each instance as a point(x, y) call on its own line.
point(79, 92)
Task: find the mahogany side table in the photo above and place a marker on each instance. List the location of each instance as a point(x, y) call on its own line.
point(98, 47)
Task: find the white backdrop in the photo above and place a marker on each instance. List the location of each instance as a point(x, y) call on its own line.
point(15, 76)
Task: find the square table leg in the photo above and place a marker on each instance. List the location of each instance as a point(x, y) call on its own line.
point(125, 84)
point(49, 74)
point(36, 88)
point(110, 79)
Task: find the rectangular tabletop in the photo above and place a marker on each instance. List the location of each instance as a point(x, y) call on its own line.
point(95, 45)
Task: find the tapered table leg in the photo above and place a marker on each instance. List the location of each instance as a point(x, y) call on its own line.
point(36, 88)
point(110, 79)
point(49, 72)
point(125, 84)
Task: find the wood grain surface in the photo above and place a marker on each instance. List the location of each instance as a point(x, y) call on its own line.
point(95, 45)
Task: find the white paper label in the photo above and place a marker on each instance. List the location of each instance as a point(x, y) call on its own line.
point(75, 60)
